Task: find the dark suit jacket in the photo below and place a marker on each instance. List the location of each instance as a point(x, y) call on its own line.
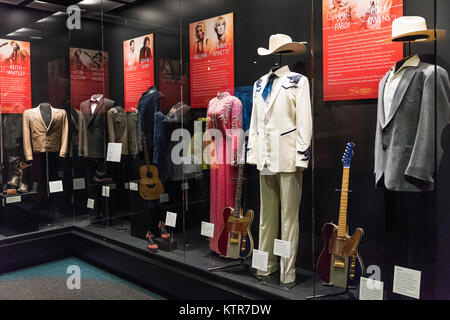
point(404, 142)
point(95, 129)
point(12, 132)
point(78, 138)
point(148, 105)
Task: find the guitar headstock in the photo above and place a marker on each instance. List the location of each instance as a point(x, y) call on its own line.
point(348, 155)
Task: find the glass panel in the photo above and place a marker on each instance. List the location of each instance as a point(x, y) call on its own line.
point(127, 119)
point(393, 132)
point(442, 105)
point(220, 42)
point(36, 174)
point(127, 155)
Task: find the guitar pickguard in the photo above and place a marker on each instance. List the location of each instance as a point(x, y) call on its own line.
point(234, 247)
point(339, 275)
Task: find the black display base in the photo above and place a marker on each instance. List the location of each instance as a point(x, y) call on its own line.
point(18, 221)
point(166, 245)
point(139, 225)
point(346, 292)
point(273, 280)
point(242, 264)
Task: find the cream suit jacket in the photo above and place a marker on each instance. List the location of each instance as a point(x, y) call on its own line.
point(281, 129)
point(38, 138)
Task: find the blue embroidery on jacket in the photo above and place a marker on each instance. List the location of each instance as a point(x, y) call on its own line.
point(294, 79)
point(306, 154)
point(258, 85)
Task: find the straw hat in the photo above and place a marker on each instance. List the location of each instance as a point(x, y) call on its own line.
point(282, 43)
point(412, 28)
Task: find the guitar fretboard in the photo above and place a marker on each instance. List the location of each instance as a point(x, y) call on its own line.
point(342, 225)
point(237, 198)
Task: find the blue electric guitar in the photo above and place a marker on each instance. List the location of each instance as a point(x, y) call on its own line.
point(339, 263)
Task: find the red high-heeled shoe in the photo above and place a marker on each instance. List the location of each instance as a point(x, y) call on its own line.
point(151, 245)
point(163, 231)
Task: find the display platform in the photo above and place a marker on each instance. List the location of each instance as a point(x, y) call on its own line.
point(200, 259)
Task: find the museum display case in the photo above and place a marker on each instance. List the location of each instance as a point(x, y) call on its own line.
point(298, 149)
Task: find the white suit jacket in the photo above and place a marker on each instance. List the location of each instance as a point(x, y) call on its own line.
point(281, 129)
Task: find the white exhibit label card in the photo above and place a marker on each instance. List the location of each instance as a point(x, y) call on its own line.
point(90, 203)
point(55, 186)
point(79, 184)
point(14, 199)
point(207, 229)
point(164, 197)
point(282, 248)
point(114, 152)
point(370, 289)
point(171, 219)
point(105, 191)
point(260, 260)
point(407, 282)
point(126, 185)
point(134, 186)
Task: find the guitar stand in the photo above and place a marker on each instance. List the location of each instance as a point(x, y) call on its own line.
point(241, 264)
point(347, 292)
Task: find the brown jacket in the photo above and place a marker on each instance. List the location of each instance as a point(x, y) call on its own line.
point(117, 127)
point(38, 138)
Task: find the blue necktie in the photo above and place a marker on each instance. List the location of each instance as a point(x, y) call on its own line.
point(268, 87)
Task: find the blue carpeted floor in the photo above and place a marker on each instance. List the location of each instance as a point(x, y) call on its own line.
point(49, 281)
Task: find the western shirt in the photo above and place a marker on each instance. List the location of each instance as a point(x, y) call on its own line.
point(393, 80)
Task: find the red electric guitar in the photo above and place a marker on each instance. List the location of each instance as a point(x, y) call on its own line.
point(236, 240)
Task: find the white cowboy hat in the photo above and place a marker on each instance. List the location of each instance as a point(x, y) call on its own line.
point(282, 43)
point(412, 28)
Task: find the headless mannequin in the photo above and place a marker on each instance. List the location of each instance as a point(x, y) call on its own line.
point(46, 113)
point(400, 63)
point(96, 98)
point(403, 213)
point(285, 280)
point(150, 90)
point(408, 39)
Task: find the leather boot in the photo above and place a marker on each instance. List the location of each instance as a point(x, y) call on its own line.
point(25, 173)
point(14, 172)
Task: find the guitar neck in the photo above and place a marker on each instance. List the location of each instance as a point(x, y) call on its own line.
point(238, 196)
point(342, 225)
point(146, 157)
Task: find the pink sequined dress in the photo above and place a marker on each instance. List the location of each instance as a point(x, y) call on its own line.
point(224, 113)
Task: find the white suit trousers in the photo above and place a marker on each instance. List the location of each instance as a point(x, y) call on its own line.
point(280, 190)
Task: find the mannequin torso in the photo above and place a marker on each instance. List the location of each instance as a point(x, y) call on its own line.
point(95, 100)
point(46, 113)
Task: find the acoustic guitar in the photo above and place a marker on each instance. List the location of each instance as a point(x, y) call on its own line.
point(236, 240)
point(339, 263)
point(150, 187)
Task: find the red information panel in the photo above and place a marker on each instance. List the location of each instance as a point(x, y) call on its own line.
point(353, 60)
point(139, 74)
point(89, 74)
point(58, 82)
point(211, 59)
point(15, 76)
point(171, 81)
